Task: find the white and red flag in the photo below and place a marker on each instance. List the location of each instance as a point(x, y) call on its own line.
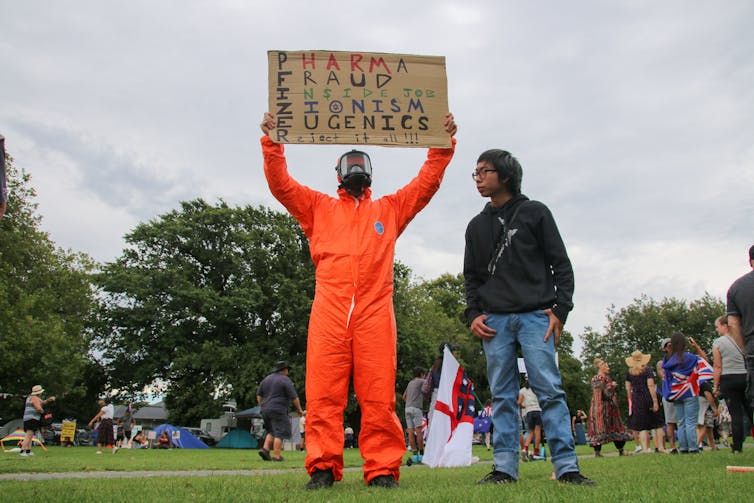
point(452, 426)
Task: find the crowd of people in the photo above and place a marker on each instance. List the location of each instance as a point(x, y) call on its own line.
point(110, 432)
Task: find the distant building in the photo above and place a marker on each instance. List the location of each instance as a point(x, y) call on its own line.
point(151, 415)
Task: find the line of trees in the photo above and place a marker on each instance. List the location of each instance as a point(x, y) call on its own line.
point(205, 298)
point(46, 305)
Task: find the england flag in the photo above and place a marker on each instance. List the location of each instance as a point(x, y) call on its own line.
point(452, 427)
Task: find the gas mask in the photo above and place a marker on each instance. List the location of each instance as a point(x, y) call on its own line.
point(355, 172)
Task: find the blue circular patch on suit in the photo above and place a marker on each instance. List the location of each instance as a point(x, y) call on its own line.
point(379, 227)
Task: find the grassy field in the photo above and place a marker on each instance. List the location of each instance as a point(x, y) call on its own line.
point(621, 479)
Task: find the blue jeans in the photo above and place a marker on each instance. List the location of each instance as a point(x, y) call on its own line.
point(686, 411)
point(528, 330)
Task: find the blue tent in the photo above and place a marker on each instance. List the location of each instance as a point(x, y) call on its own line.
point(238, 439)
point(185, 441)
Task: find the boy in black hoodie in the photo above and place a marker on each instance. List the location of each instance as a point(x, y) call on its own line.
point(519, 289)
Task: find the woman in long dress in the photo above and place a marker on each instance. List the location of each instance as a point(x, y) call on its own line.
point(644, 412)
point(605, 424)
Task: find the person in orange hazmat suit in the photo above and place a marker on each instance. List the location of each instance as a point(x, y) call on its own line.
point(352, 324)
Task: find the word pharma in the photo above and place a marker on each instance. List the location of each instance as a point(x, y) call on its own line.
point(351, 98)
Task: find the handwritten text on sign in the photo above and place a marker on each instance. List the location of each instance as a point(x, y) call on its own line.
point(358, 98)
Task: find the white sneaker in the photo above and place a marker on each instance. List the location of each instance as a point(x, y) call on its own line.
point(637, 450)
point(29, 453)
point(115, 449)
point(99, 452)
point(23, 454)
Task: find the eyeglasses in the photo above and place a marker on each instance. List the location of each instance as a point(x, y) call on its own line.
point(482, 173)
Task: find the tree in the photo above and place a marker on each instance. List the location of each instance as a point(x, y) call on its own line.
point(205, 299)
point(46, 302)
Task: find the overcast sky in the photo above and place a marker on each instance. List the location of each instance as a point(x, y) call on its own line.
point(633, 121)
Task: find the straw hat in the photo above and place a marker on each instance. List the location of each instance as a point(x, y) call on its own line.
point(638, 359)
point(37, 390)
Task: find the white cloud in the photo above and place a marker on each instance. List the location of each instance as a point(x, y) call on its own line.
point(631, 120)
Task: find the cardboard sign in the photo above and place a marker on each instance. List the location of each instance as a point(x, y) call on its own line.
point(358, 98)
point(67, 431)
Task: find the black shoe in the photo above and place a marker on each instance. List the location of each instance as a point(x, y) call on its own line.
point(277, 459)
point(264, 454)
point(674, 451)
point(387, 481)
point(496, 477)
point(577, 479)
point(321, 479)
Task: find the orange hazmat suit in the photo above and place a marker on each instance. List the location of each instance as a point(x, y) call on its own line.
point(352, 324)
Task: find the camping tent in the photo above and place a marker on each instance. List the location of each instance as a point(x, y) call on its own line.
point(18, 436)
point(184, 440)
point(238, 439)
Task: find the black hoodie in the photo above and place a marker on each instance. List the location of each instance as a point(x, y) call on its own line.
point(532, 270)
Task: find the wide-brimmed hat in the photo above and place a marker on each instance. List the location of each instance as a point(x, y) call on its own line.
point(37, 390)
point(638, 359)
point(664, 342)
point(282, 364)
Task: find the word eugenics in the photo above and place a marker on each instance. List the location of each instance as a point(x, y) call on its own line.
point(342, 96)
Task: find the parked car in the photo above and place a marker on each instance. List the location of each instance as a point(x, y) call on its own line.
point(202, 435)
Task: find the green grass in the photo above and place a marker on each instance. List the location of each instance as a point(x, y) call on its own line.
point(635, 478)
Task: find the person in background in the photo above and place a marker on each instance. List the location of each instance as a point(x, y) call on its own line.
point(348, 433)
point(120, 436)
point(706, 417)
point(487, 412)
point(668, 408)
point(644, 412)
point(105, 432)
point(139, 441)
point(532, 413)
point(740, 310)
point(605, 424)
point(724, 422)
point(33, 414)
point(683, 373)
point(164, 441)
point(729, 382)
point(577, 427)
point(127, 423)
point(414, 401)
point(273, 395)
point(302, 429)
point(704, 393)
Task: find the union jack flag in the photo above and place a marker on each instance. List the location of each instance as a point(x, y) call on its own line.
point(685, 384)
